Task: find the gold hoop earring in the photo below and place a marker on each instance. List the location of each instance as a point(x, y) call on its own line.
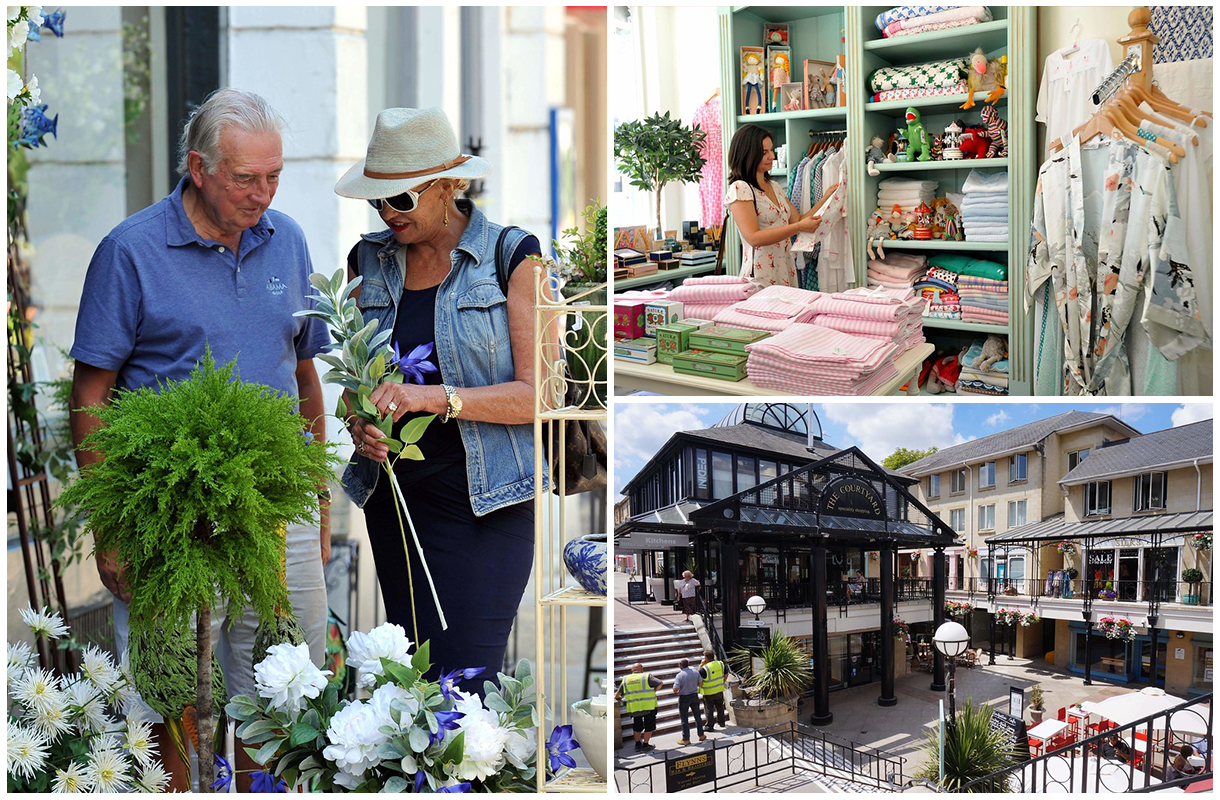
point(446, 215)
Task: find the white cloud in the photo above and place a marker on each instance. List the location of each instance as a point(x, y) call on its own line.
point(1191, 412)
point(1127, 412)
point(640, 429)
point(881, 428)
point(995, 419)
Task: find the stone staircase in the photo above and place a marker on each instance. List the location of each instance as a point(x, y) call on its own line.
point(659, 650)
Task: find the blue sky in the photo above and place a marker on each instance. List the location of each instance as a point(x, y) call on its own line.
point(640, 428)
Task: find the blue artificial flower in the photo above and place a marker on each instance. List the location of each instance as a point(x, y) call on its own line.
point(449, 679)
point(33, 35)
point(419, 781)
point(416, 363)
point(35, 125)
point(54, 22)
point(308, 436)
point(224, 773)
point(559, 745)
point(264, 782)
point(455, 789)
point(445, 721)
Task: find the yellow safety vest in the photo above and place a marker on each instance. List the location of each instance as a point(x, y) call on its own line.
point(638, 693)
point(714, 682)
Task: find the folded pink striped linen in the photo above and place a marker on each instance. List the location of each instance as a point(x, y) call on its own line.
point(638, 296)
point(713, 279)
point(778, 302)
point(703, 310)
point(699, 290)
point(872, 328)
point(731, 317)
point(877, 296)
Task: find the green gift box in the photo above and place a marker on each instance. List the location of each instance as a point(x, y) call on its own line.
point(732, 341)
point(722, 366)
point(673, 339)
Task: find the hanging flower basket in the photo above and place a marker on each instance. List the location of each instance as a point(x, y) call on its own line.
point(972, 552)
point(958, 610)
point(1117, 628)
point(1201, 541)
point(915, 556)
point(901, 631)
point(1067, 548)
point(1028, 619)
point(873, 555)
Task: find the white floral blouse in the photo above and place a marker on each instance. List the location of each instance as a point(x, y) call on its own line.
point(772, 265)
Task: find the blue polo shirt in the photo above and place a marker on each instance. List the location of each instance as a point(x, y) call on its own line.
point(157, 293)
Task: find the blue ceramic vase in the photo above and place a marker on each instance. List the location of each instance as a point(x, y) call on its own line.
point(585, 559)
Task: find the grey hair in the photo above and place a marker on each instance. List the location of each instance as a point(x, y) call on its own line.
point(224, 108)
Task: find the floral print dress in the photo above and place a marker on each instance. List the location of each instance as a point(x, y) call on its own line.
point(772, 265)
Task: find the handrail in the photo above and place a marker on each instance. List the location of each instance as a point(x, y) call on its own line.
point(1028, 771)
point(706, 615)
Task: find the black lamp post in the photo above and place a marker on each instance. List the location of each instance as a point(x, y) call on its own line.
point(951, 640)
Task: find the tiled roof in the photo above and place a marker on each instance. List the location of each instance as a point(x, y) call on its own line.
point(759, 438)
point(1054, 528)
point(1147, 452)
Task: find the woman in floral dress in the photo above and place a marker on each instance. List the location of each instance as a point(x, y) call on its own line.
point(761, 210)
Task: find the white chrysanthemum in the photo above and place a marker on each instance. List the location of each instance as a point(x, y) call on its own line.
point(287, 677)
point(354, 739)
point(154, 779)
point(51, 719)
point(27, 751)
point(99, 668)
point(109, 771)
point(46, 622)
point(38, 689)
point(71, 780)
point(365, 651)
point(87, 707)
point(520, 746)
point(125, 698)
point(140, 743)
point(408, 705)
point(20, 658)
point(482, 744)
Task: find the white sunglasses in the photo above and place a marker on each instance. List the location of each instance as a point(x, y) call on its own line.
point(404, 203)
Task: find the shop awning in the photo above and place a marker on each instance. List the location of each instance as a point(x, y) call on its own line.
point(674, 519)
point(1053, 529)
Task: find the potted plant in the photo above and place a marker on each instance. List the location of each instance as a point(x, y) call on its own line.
point(1073, 573)
point(973, 749)
point(1108, 592)
point(1035, 704)
point(773, 686)
point(658, 150)
point(1201, 541)
point(1192, 577)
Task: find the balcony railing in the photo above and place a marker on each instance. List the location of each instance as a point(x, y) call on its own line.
point(1191, 594)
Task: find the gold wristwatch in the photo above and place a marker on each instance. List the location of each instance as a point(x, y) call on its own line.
point(453, 403)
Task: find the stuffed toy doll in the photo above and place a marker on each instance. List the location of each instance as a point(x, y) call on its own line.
point(874, 153)
point(985, 75)
point(975, 143)
point(997, 132)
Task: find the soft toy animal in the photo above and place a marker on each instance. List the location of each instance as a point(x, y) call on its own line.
point(878, 229)
point(937, 149)
point(975, 143)
point(917, 139)
point(896, 222)
point(873, 153)
point(815, 90)
point(997, 132)
point(985, 75)
point(994, 349)
point(909, 220)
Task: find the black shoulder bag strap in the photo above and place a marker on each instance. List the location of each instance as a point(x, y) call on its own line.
point(502, 273)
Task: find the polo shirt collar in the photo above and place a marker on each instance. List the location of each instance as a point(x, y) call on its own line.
point(180, 231)
point(474, 238)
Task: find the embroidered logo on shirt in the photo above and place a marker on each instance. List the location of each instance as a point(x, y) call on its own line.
point(275, 286)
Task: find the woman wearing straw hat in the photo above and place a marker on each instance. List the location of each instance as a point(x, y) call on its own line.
point(461, 320)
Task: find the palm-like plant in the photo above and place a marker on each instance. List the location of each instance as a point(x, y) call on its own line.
point(972, 750)
point(785, 671)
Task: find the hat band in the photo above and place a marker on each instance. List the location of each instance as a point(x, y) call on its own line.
point(396, 176)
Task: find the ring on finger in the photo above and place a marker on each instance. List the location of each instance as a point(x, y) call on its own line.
point(392, 406)
point(360, 446)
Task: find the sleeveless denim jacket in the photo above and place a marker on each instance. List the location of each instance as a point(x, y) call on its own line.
point(472, 345)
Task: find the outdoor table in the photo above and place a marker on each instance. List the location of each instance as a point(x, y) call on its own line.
point(1076, 717)
point(1045, 731)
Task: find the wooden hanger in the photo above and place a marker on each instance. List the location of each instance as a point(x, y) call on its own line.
point(1159, 102)
point(1135, 115)
point(713, 96)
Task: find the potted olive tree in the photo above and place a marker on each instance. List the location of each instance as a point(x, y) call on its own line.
point(776, 681)
point(1192, 577)
point(1035, 704)
point(657, 150)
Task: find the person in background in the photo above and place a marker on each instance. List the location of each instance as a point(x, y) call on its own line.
point(1180, 764)
point(686, 687)
point(686, 591)
point(638, 691)
point(765, 218)
point(711, 687)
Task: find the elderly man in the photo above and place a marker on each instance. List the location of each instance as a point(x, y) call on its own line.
point(210, 265)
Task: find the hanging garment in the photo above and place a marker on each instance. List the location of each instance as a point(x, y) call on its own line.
point(711, 202)
point(773, 264)
point(1065, 96)
point(835, 269)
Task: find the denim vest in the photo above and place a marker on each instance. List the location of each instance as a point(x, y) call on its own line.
point(473, 347)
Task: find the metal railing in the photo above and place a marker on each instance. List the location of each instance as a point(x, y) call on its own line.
point(709, 623)
point(785, 749)
point(1127, 758)
point(1121, 591)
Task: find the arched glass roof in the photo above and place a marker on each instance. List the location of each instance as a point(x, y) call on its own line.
point(780, 416)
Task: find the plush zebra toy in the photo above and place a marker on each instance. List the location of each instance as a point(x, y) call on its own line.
point(997, 131)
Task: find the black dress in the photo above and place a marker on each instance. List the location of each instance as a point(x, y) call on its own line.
point(480, 565)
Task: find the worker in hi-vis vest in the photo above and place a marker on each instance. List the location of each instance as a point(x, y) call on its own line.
point(638, 691)
point(711, 687)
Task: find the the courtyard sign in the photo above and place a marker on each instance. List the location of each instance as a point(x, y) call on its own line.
point(852, 497)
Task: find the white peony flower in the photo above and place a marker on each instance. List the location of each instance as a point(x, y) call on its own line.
point(108, 771)
point(46, 622)
point(71, 780)
point(154, 779)
point(15, 84)
point(99, 668)
point(27, 751)
point(520, 747)
point(365, 651)
point(140, 742)
point(38, 689)
point(87, 707)
point(13, 13)
point(347, 781)
point(482, 745)
point(384, 696)
point(354, 739)
point(466, 703)
point(287, 677)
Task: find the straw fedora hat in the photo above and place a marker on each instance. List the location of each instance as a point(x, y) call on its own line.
point(409, 146)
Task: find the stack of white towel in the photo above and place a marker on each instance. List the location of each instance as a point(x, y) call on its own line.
point(985, 209)
point(905, 193)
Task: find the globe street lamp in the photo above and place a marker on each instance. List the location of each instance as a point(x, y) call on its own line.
point(756, 605)
point(951, 640)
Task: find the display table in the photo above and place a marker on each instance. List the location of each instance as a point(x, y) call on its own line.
point(661, 378)
point(662, 275)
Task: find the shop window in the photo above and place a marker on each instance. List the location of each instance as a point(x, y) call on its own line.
point(1076, 458)
point(722, 475)
point(1017, 468)
point(1150, 491)
point(1201, 675)
point(745, 473)
point(957, 520)
point(957, 481)
point(987, 517)
point(987, 475)
point(933, 486)
point(1016, 513)
point(1097, 498)
point(1110, 656)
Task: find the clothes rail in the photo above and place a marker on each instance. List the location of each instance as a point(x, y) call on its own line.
point(1114, 81)
point(814, 134)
